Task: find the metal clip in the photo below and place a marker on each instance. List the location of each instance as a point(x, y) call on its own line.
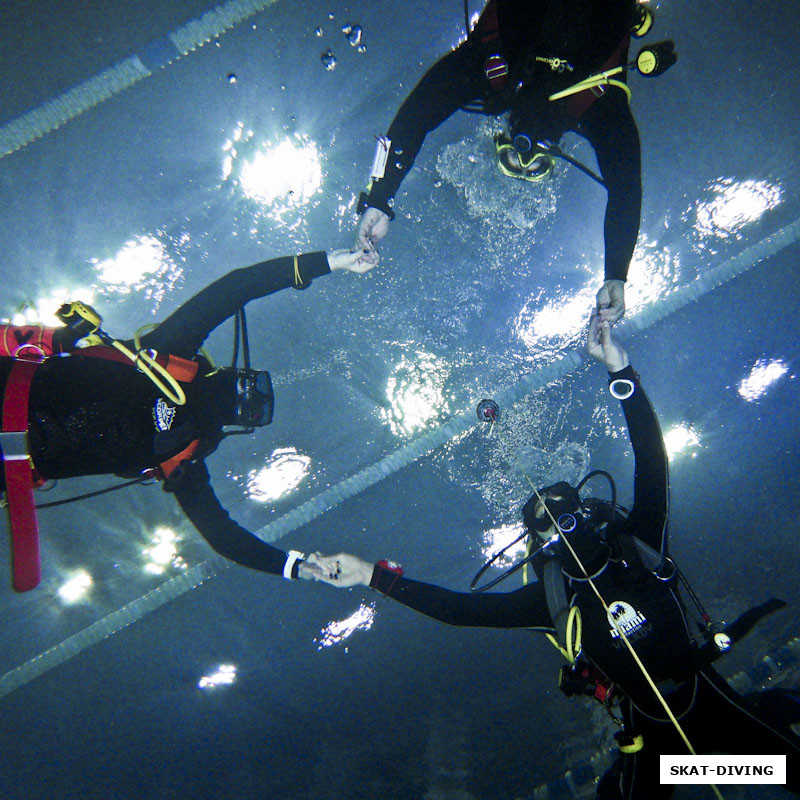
point(556, 64)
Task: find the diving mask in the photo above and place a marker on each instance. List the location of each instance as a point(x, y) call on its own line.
point(255, 400)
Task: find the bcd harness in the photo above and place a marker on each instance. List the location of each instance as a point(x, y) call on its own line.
point(30, 346)
point(497, 71)
point(651, 61)
point(580, 676)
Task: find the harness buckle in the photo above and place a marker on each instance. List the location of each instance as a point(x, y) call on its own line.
point(28, 351)
point(496, 70)
point(14, 445)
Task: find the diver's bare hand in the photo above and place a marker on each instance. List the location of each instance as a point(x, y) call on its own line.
point(359, 261)
point(601, 346)
point(372, 227)
point(611, 301)
point(342, 570)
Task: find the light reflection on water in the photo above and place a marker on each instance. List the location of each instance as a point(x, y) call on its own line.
point(728, 207)
point(144, 265)
point(496, 539)
point(278, 178)
point(491, 197)
point(416, 392)
point(340, 630)
point(762, 375)
point(554, 321)
point(283, 472)
point(683, 439)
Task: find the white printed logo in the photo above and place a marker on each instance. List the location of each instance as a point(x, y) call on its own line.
point(622, 615)
point(164, 415)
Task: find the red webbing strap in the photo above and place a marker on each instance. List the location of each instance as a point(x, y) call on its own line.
point(19, 477)
point(166, 468)
point(495, 66)
point(182, 369)
point(490, 27)
point(578, 104)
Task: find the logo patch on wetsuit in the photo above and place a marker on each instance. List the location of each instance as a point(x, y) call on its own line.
point(163, 414)
point(627, 618)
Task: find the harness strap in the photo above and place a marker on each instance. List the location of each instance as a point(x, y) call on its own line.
point(495, 65)
point(579, 103)
point(490, 27)
point(26, 558)
point(166, 468)
point(182, 369)
point(32, 342)
point(557, 601)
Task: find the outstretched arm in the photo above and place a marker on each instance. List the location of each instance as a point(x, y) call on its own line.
point(197, 499)
point(524, 608)
point(610, 128)
point(185, 330)
point(453, 81)
point(648, 517)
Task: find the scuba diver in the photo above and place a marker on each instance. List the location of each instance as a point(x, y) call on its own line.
point(156, 411)
point(608, 594)
point(519, 57)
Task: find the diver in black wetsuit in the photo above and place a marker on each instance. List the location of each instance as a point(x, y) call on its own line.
point(97, 415)
point(546, 46)
point(625, 557)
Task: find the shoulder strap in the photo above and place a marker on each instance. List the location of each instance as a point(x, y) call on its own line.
point(19, 477)
point(650, 558)
point(168, 467)
point(637, 554)
point(487, 30)
point(182, 369)
point(555, 592)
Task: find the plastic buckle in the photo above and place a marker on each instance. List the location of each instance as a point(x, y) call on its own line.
point(14, 445)
point(496, 70)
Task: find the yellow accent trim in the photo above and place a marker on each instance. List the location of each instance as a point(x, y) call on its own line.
point(145, 363)
point(527, 176)
point(152, 326)
point(92, 340)
point(641, 28)
point(634, 747)
point(598, 79)
point(572, 647)
point(298, 281)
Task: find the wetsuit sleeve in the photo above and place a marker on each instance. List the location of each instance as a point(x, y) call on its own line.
point(611, 130)
point(453, 81)
point(197, 499)
point(185, 330)
point(648, 517)
point(523, 608)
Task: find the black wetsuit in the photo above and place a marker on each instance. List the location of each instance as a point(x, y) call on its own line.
point(591, 35)
point(653, 618)
point(91, 416)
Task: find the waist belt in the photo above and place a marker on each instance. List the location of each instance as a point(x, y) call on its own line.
point(26, 560)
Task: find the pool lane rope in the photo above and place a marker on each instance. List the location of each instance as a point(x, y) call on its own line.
point(407, 454)
point(54, 113)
